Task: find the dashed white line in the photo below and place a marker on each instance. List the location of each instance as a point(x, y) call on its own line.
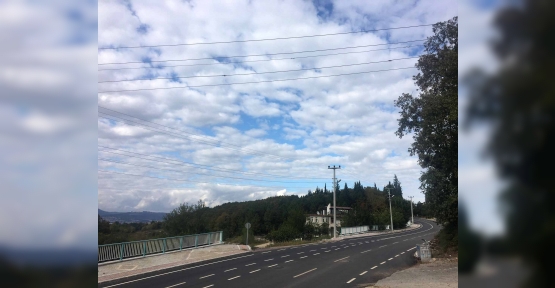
point(303, 257)
point(250, 264)
point(382, 246)
point(255, 271)
point(234, 277)
point(230, 269)
point(311, 250)
point(397, 255)
point(327, 251)
point(315, 254)
point(206, 276)
point(402, 252)
point(395, 242)
point(382, 263)
point(266, 252)
point(288, 261)
point(373, 267)
point(176, 284)
point(351, 280)
point(341, 259)
point(269, 259)
point(362, 273)
point(272, 265)
point(281, 250)
point(304, 273)
point(300, 253)
point(389, 259)
point(411, 249)
point(284, 256)
point(366, 251)
point(337, 249)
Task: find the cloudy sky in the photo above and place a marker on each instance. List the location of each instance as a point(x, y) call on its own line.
point(236, 142)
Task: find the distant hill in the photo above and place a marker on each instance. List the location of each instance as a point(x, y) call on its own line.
point(131, 217)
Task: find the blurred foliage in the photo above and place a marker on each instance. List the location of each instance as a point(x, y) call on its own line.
point(469, 244)
point(433, 118)
point(124, 232)
point(518, 99)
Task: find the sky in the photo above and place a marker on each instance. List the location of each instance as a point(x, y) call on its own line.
point(195, 140)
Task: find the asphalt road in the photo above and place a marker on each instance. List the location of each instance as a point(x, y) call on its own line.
point(351, 262)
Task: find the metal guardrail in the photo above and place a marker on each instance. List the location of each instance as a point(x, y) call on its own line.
point(354, 230)
point(141, 248)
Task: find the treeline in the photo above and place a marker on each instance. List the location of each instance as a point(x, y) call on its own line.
point(282, 218)
point(124, 232)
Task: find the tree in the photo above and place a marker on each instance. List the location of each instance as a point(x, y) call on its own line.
point(433, 118)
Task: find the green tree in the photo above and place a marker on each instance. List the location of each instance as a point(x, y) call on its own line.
point(433, 118)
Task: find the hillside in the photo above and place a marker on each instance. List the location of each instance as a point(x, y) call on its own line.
point(131, 217)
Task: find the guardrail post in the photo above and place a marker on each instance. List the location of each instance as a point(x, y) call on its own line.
point(144, 248)
point(196, 240)
point(209, 235)
point(180, 243)
point(221, 232)
point(121, 253)
point(164, 248)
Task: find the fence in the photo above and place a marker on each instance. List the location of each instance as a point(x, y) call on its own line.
point(354, 230)
point(120, 251)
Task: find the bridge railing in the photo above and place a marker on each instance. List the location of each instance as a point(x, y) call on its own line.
point(142, 248)
point(354, 230)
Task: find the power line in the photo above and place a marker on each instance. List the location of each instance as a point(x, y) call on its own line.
point(215, 176)
point(263, 60)
point(195, 164)
point(259, 40)
point(219, 145)
point(259, 73)
point(255, 82)
point(255, 55)
point(191, 181)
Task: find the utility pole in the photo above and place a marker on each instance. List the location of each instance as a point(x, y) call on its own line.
point(334, 208)
point(390, 212)
point(412, 215)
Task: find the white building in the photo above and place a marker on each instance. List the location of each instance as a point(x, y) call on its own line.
point(326, 216)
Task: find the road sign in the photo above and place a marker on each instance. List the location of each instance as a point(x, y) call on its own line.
point(248, 225)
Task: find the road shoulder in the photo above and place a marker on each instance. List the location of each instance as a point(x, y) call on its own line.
point(440, 272)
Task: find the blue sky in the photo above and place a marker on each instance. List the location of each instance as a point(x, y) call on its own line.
point(305, 125)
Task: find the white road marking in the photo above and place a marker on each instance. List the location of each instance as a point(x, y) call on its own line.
point(402, 252)
point(230, 269)
point(284, 256)
point(234, 277)
point(397, 255)
point(351, 280)
point(206, 276)
point(382, 246)
point(395, 242)
point(411, 249)
point(323, 248)
point(366, 251)
point(255, 271)
point(176, 284)
point(359, 242)
point(282, 250)
point(315, 254)
point(269, 259)
point(365, 241)
point(362, 273)
point(389, 259)
point(250, 264)
point(266, 252)
point(327, 251)
point(208, 286)
point(300, 253)
point(305, 272)
point(337, 249)
point(382, 263)
point(272, 265)
point(373, 267)
point(311, 250)
point(303, 257)
point(288, 261)
point(341, 259)
point(333, 246)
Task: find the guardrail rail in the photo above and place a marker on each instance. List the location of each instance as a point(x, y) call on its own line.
point(142, 248)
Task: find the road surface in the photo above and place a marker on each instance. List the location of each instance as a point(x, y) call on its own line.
point(350, 262)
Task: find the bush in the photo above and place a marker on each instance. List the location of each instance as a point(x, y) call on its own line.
point(284, 233)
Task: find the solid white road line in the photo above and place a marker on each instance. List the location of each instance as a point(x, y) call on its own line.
point(272, 265)
point(206, 276)
point(362, 273)
point(234, 277)
point(287, 261)
point(373, 267)
point(303, 257)
point(382, 263)
point(176, 284)
point(269, 259)
point(250, 264)
point(351, 280)
point(255, 271)
point(161, 274)
point(304, 273)
point(341, 259)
